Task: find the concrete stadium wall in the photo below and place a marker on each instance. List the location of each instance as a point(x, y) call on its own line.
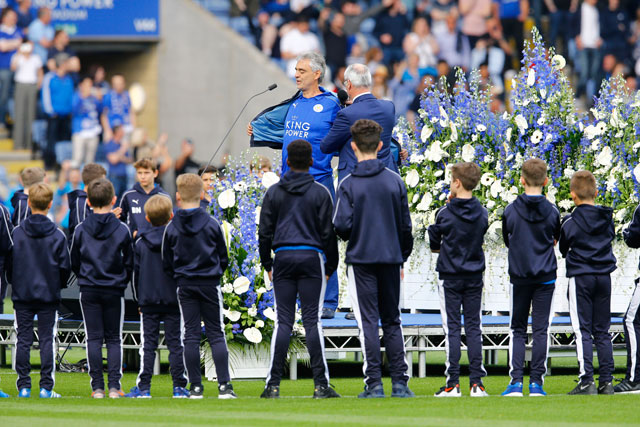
point(206, 72)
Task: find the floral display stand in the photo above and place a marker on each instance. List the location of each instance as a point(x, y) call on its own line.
point(245, 362)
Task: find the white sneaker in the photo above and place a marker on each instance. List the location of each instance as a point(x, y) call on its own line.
point(449, 391)
point(477, 390)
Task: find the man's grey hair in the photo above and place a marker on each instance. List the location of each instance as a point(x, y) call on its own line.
point(316, 62)
point(359, 75)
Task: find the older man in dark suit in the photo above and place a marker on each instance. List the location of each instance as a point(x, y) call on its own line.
point(364, 106)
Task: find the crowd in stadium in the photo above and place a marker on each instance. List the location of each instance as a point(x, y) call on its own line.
point(404, 41)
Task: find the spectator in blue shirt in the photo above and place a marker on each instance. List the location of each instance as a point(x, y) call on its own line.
point(85, 124)
point(10, 41)
point(26, 14)
point(117, 108)
point(57, 102)
point(117, 151)
point(512, 15)
point(41, 33)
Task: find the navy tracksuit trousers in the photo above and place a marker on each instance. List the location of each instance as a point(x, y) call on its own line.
point(298, 273)
point(150, 330)
point(103, 315)
point(47, 330)
point(590, 309)
point(538, 298)
point(375, 295)
point(632, 335)
point(454, 295)
point(203, 303)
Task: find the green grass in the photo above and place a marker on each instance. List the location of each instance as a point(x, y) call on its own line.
point(296, 408)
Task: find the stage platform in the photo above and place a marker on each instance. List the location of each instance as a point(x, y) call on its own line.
point(423, 333)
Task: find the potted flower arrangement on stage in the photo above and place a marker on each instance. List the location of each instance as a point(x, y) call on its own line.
point(248, 295)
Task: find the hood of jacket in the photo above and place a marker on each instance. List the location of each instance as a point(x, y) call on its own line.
point(18, 196)
point(139, 189)
point(532, 208)
point(101, 226)
point(591, 219)
point(38, 226)
point(74, 195)
point(153, 237)
point(468, 210)
point(368, 168)
point(190, 222)
point(296, 182)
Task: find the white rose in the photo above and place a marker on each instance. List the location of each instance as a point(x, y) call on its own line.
point(531, 77)
point(491, 204)
point(260, 323)
point(227, 199)
point(253, 335)
point(227, 288)
point(565, 204)
point(270, 178)
point(241, 285)
point(568, 172)
point(621, 214)
point(426, 133)
point(412, 178)
point(252, 311)
point(269, 314)
point(468, 153)
point(232, 315)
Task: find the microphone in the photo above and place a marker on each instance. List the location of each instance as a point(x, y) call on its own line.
point(271, 87)
point(343, 96)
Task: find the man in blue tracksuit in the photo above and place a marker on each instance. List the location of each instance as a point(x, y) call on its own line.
point(38, 268)
point(132, 202)
point(295, 221)
point(585, 241)
point(309, 115)
point(102, 259)
point(458, 235)
point(155, 291)
point(532, 224)
point(372, 213)
point(195, 254)
point(77, 199)
point(631, 382)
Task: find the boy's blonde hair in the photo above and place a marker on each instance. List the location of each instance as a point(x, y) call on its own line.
point(583, 185)
point(190, 187)
point(158, 209)
point(40, 196)
point(30, 176)
point(534, 172)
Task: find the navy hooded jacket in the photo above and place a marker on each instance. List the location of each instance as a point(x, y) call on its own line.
point(530, 228)
point(21, 209)
point(102, 254)
point(631, 234)
point(154, 289)
point(297, 211)
point(132, 204)
point(78, 208)
point(6, 228)
point(193, 248)
point(585, 240)
point(372, 213)
point(458, 234)
point(38, 266)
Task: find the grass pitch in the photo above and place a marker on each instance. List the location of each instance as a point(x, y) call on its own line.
point(297, 408)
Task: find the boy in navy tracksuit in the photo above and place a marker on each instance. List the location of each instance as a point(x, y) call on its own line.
point(631, 382)
point(37, 268)
point(77, 199)
point(458, 235)
point(102, 259)
point(21, 210)
point(155, 291)
point(373, 214)
point(132, 201)
point(6, 228)
point(530, 229)
point(295, 221)
point(195, 254)
point(585, 241)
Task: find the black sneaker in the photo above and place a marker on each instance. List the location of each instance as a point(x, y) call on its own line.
point(196, 391)
point(328, 313)
point(605, 388)
point(627, 386)
point(271, 392)
point(374, 392)
point(401, 390)
point(324, 392)
point(584, 387)
point(225, 391)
